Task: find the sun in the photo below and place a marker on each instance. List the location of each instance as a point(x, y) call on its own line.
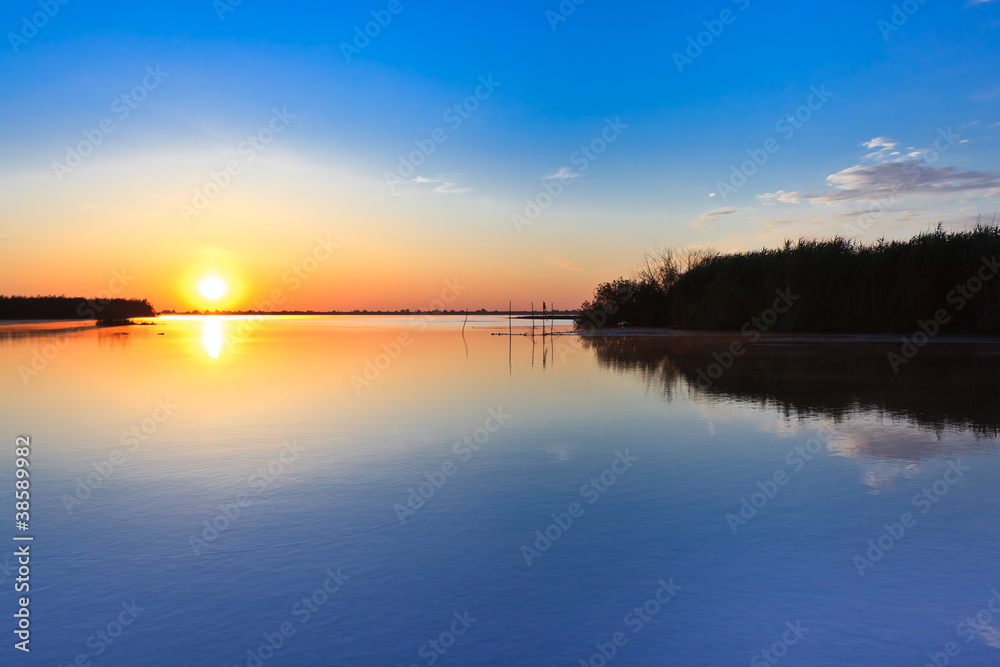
point(213, 288)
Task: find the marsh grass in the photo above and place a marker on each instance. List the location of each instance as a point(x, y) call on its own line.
point(842, 286)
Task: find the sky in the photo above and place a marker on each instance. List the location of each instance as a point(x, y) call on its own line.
point(391, 153)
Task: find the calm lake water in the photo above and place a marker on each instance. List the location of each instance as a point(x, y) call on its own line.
point(388, 493)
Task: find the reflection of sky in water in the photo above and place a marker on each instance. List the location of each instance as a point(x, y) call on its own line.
point(366, 445)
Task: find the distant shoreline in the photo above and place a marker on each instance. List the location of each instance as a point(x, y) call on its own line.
point(516, 314)
point(780, 338)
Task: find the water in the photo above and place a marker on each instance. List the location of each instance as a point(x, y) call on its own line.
point(209, 474)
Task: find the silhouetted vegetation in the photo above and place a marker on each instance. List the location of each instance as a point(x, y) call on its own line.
point(839, 285)
point(69, 308)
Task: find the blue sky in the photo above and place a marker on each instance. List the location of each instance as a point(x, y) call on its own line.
point(890, 90)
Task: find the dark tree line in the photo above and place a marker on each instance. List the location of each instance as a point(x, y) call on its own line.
point(72, 308)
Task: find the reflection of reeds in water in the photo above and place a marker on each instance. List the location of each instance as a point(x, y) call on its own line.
point(948, 385)
point(114, 340)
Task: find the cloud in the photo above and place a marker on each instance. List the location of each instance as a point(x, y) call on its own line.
point(448, 188)
point(712, 216)
point(770, 198)
point(889, 180)
point(445, 188)
point(885, 175)
point(882, 149)
point(880, 142)
point(562, 174)
point(564, 264)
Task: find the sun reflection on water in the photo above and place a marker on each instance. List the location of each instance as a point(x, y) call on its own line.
point(212, 337)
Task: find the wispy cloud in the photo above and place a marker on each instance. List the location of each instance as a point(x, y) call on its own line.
point(890, 180)
point(784, 196)
point(562, 173)
point(882, 149)
point(445, 187)
point(449, 188)
point(564, 264)
point(880, 142)
point(712, 216)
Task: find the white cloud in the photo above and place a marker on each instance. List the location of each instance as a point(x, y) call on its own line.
point(448, 188)
point(880, 142)
point(784, 196)
point(882, 148)
point(562, 174)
